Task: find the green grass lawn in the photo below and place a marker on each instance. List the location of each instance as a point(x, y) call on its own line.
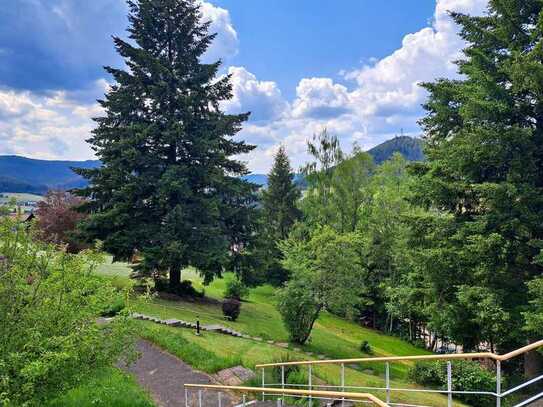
point(105, 388)
point(332, 336)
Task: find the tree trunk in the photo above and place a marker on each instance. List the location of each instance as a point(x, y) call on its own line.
point(175, 275)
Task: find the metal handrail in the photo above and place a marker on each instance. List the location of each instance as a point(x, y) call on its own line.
point(454, 356)
point(499, 394)
point(293, 392)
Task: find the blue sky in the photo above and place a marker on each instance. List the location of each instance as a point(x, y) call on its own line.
point(352, 66)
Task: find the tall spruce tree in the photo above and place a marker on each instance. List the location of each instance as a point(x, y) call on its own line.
point(168, 188)
point(280, 211)
point(280, 199)
point(484, 174)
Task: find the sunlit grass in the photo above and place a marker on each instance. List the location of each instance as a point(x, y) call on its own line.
point(105, 388)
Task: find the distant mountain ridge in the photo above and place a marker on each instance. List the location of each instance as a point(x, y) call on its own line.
point(27, 175)
point(410, 147)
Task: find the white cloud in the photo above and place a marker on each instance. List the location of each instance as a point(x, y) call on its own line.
point(320, 98)
point(45, 126)
point(262, 98)
point(375, 102)
point(385, 97)
point(226, 43)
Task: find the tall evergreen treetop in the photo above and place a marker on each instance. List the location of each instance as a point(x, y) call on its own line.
point(280, 212)
point(169, 187)
point(281, 197)
point(484, 137)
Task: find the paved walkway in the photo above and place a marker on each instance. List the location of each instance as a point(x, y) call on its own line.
point(163, 375)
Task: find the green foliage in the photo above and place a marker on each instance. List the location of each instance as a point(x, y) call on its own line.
point(104, 388)
point(49, 302)
point(280, 212)
point(483, 178)
point(466, 376)
point(169, 187)
point(231, 308)
point(534, 315)
point(365, 347)
point(299, 309)
point(326, 273)
point(236, 289)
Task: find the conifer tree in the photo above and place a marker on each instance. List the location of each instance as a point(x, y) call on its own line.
point(484, 136)
point(281, 196)
point(169, 187)
point(280, 211)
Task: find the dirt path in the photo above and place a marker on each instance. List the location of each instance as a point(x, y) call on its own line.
point(163, 375)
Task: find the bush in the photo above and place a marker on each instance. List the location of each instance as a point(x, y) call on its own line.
point(299, 310)
point(293, 373)
point(115, 307)
point(365, 347)
point(236, 289)
point(466, 376)
point(49, 303)
point(231, 308)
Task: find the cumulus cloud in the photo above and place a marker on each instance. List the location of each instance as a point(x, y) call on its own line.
point(226, 43)
point(262, 98)
point(366, 105)
point(47, 126)
point(384, 97)
point(320, 98)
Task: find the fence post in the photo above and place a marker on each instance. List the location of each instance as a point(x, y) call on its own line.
point(310, 404)
point(498, 383)
point(283, 379)
point(199, 398)
point(263, 382)
point(186, 397)
point(244, 400)
point(220, 399)
point(387, 381)
point(449, 384)
point(343, 383)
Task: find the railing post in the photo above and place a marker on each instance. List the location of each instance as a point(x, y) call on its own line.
point(449, 384)
point(263, 382)
point(387, 381)
point(220, 399)
point(283, 379)
point(310, 404)
point(199, 398)
point(244, 400)
point(498, 383)
point(343, 383)
point(186, 397)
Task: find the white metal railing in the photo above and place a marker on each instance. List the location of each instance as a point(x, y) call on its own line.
point(449, 392)
point(281, 394)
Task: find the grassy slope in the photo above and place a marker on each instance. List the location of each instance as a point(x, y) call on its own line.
point(106, 388)
point(332, 336)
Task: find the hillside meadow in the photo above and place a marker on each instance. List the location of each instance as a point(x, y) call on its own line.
point(332, 337)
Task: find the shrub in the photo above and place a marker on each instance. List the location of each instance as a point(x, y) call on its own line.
point(299, 310)
point(231, 308)
point(466, 376)
point(293, 373)
point(236, 289)
point(114, 307)
point(365, 347)
point(49, 303)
